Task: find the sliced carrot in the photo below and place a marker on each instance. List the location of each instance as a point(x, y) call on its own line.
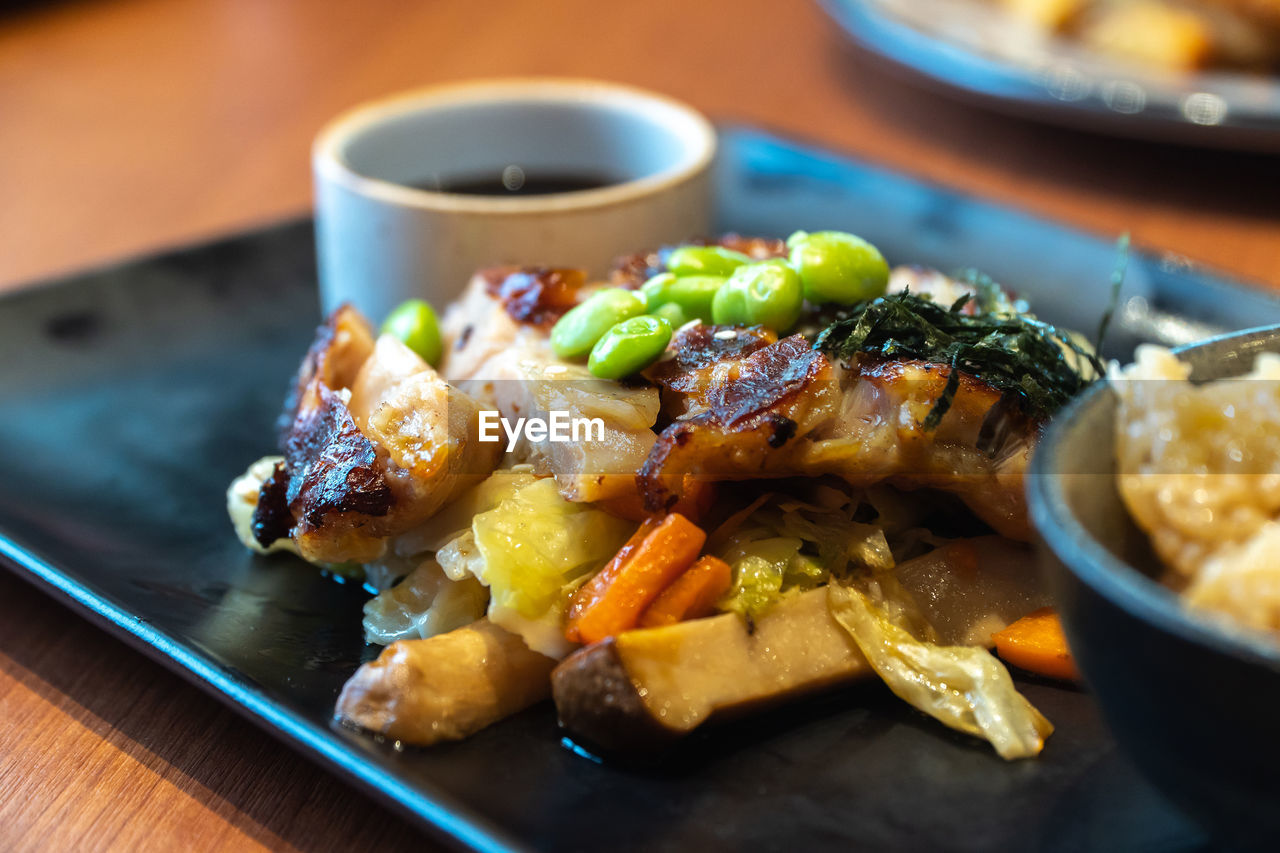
point(1037, 644)
point(595, 587)
point(691, 596)
point(613, 600)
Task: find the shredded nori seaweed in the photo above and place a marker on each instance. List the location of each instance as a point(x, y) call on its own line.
point(1013, 352)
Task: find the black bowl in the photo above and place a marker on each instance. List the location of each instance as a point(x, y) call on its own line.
point(1193, 702)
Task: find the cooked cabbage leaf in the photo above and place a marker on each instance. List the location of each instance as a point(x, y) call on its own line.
point(456, 516)
point(778, 545)
point(422, 605)
point(962, 686)
point(532, 550)
point(757, 585)
point(460, 558)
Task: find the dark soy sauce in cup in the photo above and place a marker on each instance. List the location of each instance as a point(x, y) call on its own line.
point(514, 181)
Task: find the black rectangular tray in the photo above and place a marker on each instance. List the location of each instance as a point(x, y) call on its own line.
point(130, 397)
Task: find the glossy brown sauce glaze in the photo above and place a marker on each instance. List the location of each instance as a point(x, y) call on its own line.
point(747, 415)
point(535, 295)
point(696, 350)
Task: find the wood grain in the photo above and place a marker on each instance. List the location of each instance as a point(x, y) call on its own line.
point(128, 125)
point(101, 749)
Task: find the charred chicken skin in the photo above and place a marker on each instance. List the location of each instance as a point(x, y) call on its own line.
point(759, 409)
point(374, 442)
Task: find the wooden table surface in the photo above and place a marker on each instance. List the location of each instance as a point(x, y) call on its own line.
point(130, 125)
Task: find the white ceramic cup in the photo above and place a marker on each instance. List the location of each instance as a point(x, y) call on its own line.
point(380, 240)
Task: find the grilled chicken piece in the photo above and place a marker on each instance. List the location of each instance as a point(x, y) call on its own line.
point(497, 348)
point(783, 409)
point(374, 446)
point(340, 348)
point(701, 360)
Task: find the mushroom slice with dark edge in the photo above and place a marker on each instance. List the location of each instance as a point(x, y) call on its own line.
point(648, 687)
point(445, 687)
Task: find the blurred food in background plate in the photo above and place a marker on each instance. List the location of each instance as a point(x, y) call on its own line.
point(1174, 34)
point(1196, 73)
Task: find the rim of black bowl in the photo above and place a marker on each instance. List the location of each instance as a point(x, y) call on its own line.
point(1113, 578)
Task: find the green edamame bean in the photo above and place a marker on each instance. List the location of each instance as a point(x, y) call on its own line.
point(729, 308)
point(774, 295)
point(576, 332)
point(705, 260)
point(767, 293)
point(415, 324)
point(693, 293)
point(673, 314)
point(838, 267)
point(655, 289)
point(629, 346)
